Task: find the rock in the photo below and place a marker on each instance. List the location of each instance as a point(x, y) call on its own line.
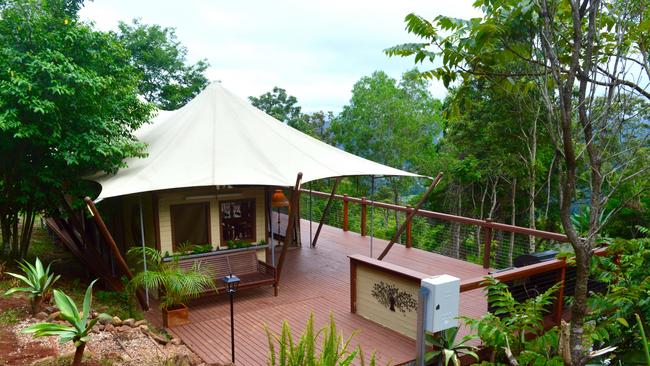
point(41, 316)
point(94, 314)
point(109, 327)
point(176, 341)
point(51, 309)
point(125, 357)
point(129, 322)
point(95, 328)
point(53, 316)
point(159, 339)
point(140, 322)
point(100, 326)
point(123, 328)
point(105, 320)
point(117, 321)
point(144, 328)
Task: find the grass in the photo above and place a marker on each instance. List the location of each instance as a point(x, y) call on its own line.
point(10, 317)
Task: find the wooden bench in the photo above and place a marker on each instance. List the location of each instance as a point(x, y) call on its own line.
point(245, 265)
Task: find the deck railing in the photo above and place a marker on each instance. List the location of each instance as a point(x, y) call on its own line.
point(492, 244)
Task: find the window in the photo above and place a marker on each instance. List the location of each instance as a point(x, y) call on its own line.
point(237, 220)
point(190, 224)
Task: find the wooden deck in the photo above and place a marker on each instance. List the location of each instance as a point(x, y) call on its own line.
point(315, 280)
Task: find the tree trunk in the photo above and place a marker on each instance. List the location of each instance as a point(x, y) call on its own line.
point(532, 184)
point(36, 304)
point(26, 233)
point(78, 355)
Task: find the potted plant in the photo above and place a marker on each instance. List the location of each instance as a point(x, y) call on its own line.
point(176, 285)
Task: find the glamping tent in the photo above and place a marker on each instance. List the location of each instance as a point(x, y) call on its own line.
point(211, 168)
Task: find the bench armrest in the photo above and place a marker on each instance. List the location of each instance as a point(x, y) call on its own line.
point(263, 267)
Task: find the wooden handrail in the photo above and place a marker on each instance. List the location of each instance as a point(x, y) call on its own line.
point(448, 217)
point(523, 272)
point(513, 274)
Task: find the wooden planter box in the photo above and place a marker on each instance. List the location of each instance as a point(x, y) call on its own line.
point(217, 252)
point(175, 317)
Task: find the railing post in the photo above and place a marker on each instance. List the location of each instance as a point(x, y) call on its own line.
point(560, 295)
point(364, 209)
point(487, 244)
point(409, 229)
point(346, 223)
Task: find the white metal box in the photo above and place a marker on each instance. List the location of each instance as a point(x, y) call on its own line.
point(442, 302)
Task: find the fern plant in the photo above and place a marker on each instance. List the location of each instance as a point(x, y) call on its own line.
point(38, 281)
point(177, 285)
point(335, 351)
point(80, 323)
point(505, 330)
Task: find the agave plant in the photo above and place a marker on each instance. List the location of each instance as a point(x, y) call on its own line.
point(177, 285)
point(38, 279)
point(447, 349)
point(80, 323)
point(335, 351)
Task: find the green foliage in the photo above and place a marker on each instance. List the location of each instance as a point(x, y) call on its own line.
point(644, 341)
point(506, 328)
point(80, 322)
point(176, 284)
point(446, 347)
point(334, 350)
point(389, 122)
point(68, 106)
point(279, 105)
point(189, 248)
point(10, 317)
point(38, 281)
point(167, 79)
point(627, 275)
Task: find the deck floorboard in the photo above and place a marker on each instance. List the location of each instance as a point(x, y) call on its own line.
point(315, 280)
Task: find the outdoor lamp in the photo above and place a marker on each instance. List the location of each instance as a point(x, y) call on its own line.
point(232, 283)
point(279, 199)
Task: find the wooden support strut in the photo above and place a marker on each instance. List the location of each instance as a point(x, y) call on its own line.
point(326, 211)
point(116, 252)
point(487, 244)
point(409, 217)
point(288, 236)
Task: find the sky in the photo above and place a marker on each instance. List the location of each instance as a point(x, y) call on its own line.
point(314, 50)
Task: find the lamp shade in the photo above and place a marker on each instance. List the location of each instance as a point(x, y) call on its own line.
point(279, 199)
point(232, 283)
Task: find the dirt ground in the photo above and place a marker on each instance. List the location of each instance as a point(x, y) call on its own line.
point(11, 351)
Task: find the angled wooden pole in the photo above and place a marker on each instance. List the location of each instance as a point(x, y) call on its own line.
point(288, 236)
point(116, 252)
point(326, 211)
point(409, 217)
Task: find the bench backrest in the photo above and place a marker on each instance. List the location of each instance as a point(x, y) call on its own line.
point(220, 265)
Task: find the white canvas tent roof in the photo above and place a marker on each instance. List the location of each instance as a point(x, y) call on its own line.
point(220, 139)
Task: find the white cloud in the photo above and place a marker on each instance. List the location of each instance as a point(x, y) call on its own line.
point(315, 50)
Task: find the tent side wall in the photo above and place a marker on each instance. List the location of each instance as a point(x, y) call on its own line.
point(215, 202)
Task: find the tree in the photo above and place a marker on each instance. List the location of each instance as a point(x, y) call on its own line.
point(389, 122)
point(167, 78)
point(68, 107)
point(279, 105)
point(586, 59)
